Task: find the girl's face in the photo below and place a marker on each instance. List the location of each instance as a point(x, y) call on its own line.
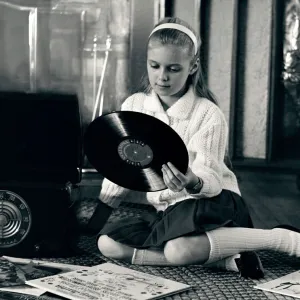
point(168, 68)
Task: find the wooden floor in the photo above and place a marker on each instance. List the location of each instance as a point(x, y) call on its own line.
point(272, 198)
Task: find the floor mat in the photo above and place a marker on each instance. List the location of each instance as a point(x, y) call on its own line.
point(207, 284)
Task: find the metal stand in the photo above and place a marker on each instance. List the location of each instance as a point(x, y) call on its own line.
point(100, 93)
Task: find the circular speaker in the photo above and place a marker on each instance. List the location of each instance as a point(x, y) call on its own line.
point(15, 219)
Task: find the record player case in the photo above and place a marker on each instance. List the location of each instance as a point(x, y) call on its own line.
point(40, 159)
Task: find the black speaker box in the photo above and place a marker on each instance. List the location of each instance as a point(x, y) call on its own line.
point(40, 157)
point(35, 220)
point(41, 137)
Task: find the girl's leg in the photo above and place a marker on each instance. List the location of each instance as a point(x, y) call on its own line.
point(229, 241)
point(112, 249)
point(209, 248)
point(197, 250)
point(225, 242)
point(157, 258)
point(232, 248)
point(177, 252)
point(180, 251)
point(188, 250)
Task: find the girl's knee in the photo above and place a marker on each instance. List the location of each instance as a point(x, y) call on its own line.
point(112, 249)
point(187, 250)
point(175, 252)
point(106, 245)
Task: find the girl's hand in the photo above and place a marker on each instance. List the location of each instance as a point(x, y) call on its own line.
point(177, 181)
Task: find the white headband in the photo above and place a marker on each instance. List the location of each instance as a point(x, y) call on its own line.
point(180, 28)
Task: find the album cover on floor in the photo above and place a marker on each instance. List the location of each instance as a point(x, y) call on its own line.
point(14, 272)
point(288, 285)
point(108, 282)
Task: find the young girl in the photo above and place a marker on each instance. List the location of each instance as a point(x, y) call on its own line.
point(201, 218)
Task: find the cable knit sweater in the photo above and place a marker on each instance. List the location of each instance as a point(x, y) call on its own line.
point(203, 128)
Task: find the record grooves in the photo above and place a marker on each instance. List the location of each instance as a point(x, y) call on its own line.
point(129, 149)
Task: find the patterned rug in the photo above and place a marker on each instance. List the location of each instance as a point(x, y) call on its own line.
point(207, 284)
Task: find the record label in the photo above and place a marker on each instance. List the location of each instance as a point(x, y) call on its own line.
point(129, 149)
point(135, 152)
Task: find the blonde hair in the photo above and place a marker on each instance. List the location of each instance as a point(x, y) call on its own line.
point(170, 36)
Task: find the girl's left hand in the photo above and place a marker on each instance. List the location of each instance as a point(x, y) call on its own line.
point(177, 181)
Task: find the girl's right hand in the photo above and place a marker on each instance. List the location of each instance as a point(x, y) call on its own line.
point(177, 181)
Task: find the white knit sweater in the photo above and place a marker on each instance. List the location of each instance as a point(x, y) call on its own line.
point(203, 128)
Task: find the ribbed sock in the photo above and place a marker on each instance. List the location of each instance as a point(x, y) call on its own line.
point(228, 263)
point(149, 257)
point(226, 241)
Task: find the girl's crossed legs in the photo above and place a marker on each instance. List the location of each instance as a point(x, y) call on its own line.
point(180, 251)
point(221, 245)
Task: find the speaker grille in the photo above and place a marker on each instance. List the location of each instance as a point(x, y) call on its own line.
point(15, 219)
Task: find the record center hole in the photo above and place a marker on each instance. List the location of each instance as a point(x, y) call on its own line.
point(3, 220)
point(135, 152)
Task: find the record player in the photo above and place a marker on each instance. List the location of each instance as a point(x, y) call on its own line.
point(40, 160)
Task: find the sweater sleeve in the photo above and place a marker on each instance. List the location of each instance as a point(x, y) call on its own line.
point(209, 146)
point(111, 193)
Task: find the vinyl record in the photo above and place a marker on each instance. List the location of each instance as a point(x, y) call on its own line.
point(129, 149)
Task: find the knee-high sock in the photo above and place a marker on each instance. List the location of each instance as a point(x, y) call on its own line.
point(149, 257)
point(227, 263)
point(226, 241)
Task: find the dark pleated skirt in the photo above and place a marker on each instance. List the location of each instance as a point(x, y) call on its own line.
point(188, 217)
